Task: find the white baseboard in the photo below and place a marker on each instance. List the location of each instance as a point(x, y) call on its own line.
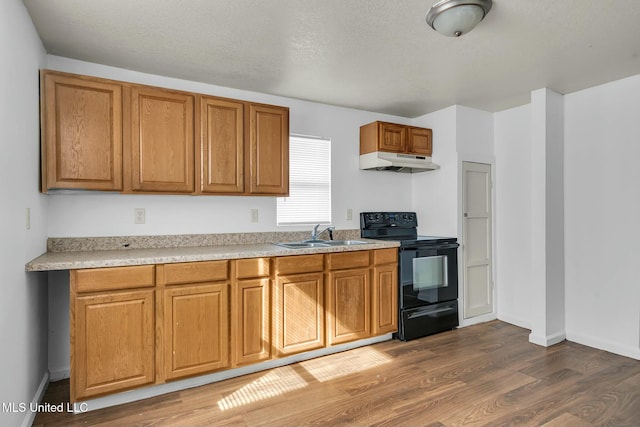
point(589, 341)
point(547, 340)
point(477, 319)
point(516, 321)
point(59, 374)
point(37, 398)
point(602, 344)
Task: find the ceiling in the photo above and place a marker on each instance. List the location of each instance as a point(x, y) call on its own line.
point(375, 55)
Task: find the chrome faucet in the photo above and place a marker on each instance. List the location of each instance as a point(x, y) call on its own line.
point(315, 233)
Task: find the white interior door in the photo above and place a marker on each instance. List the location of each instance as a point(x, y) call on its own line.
point(476, 239)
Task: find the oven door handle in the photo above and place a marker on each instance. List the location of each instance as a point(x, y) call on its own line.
point(423, 313)
point(436, 247)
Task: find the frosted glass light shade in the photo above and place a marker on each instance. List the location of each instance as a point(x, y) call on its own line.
point(454, 18)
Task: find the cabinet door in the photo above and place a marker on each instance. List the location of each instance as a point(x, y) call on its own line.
point(251, 325)
point(392, 137)
point(196, 329)
point(420, 141)
point(385, 299)
point(348, 311)
point(162, 141)
point(299, 313)
point(112, 342)
point(222, 145)
point(268, 150)
point(82, 133)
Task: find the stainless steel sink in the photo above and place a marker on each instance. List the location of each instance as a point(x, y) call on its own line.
point(319, 244)
point(345, 242)
point(300, 245)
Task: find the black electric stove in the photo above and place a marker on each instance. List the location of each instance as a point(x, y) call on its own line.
point(427, 273)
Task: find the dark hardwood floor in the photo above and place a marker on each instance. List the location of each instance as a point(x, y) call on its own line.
point(483, 375)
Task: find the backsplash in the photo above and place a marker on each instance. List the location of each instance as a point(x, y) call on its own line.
point(72, 244)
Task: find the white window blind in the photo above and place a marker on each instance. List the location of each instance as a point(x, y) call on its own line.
point(309, 200)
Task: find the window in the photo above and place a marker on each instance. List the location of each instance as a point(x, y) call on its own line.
point(309, 200)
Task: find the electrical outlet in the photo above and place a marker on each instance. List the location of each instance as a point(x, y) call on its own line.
point(254, 215)
point(349, 214)
point(28, 218)
point(139, 216)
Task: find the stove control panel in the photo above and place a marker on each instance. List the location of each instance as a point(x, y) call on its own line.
point(388, 219)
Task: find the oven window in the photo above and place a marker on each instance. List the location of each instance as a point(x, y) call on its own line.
point(430, 272)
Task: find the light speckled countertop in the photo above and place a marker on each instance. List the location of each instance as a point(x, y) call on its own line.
point(69, 254)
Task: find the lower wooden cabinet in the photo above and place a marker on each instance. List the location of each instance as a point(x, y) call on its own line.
point(196, 329)
point(251, 311)
point(298, 318)
point(384, 286)
point(251, 325)
point(141, 325)
point(384, 316)
point(112, 342)
point(348, 306)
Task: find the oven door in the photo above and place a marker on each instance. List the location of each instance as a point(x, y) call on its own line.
point(428, 275)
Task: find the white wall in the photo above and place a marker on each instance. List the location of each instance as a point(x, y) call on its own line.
point(601, 210)
point(23, 306)
point(513, 216)
point(602, 213)
point(434, 193)
point(547, 222)
point(102, 214)
point(474, 135)
point(459, 134)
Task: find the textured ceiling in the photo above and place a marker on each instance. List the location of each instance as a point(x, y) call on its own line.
point(375, 55)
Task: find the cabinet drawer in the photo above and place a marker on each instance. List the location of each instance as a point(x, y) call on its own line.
point(111, 278)
point(344, 260)
point(252, 267)
point(298, 264)
point(385, 256)
point(194, 272)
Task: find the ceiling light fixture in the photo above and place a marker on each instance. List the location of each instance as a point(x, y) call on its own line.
point(454, 18)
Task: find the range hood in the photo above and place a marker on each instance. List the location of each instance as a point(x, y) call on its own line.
point(396, 162)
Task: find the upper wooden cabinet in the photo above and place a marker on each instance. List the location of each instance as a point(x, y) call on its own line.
point(101, 134)
point(419, 141)
point(244, 148)
point(222, 145)
point(81, 132)
point(395, 138)
point(268, 150)
point(161, 144)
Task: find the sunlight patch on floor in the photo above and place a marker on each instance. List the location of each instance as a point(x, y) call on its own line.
point(339, 365)
point(274, 383)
